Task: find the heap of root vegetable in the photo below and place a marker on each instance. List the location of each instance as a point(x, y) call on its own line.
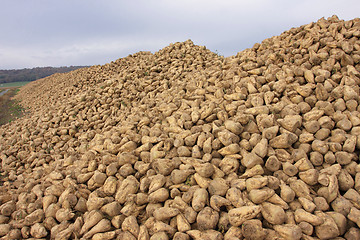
point(186, 144)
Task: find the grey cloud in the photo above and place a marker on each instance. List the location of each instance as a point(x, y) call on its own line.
point(87, 32)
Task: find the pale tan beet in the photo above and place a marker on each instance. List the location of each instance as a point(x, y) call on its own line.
point(103, 226)
point(126, 235)
point(273, 213)
point(353, 196)
point(165, 213)
point(181, 236)
point(77, 226)
point(201, 181)
point(182, 223)
point(233, 233)
point(190, 214)
point(216, 202)
point(309, 176)
point(130, 224)
point(159, 195)
point(8, 208)
point(14, 234)
point(38, 231)
point(229, 165)
point(340, 221)
point(256, 183)
point(345, 180)
point(143, 233)
point(341, 205)
point(4, 229)
point(218, 186)
point(36, 216)
point(25, 232)
point(90, 220)
point(288, 231)
point(180, 176)
point(321, 203)
point(300, 188)
point(260, 195)
point(207, 234)
point(328, 229)
point(117, 220)
point(238, 216)
point(199, 200)
point(308, 205)
point(207, 218)
point(128, 186)
point(160, 236)
point(81, 205)
point(277, 200)
point(66, 233)
point(304, 216)
point(306, 228)
point(94, 202)
point(352, 233)
point(234, 127)
point(205, 170)
point(287, 194)
point(57, 229)
point(357, 181)
point(256, 170)
point(252, 229)
point(105, 236)
point(354, 215)
point(156, 183)
point(64, 215)
point(111, 209)
point(3, 219)
point(163, 227)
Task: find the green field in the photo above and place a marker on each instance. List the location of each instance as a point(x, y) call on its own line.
point(13, 84)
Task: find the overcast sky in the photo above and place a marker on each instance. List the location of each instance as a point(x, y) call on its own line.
point(89, 32)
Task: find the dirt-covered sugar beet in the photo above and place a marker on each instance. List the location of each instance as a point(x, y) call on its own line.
point(186, 144)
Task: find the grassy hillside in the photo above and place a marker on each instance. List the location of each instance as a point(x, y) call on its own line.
point(12, 84)
point(9, 108)
point(26, 74)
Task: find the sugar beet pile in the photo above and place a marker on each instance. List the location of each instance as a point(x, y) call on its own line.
point(186, 144)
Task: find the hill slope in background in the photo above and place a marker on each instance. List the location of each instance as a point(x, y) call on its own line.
point(184, 144)
point(31, 74)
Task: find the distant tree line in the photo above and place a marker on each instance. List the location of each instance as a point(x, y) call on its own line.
point(31, 74)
